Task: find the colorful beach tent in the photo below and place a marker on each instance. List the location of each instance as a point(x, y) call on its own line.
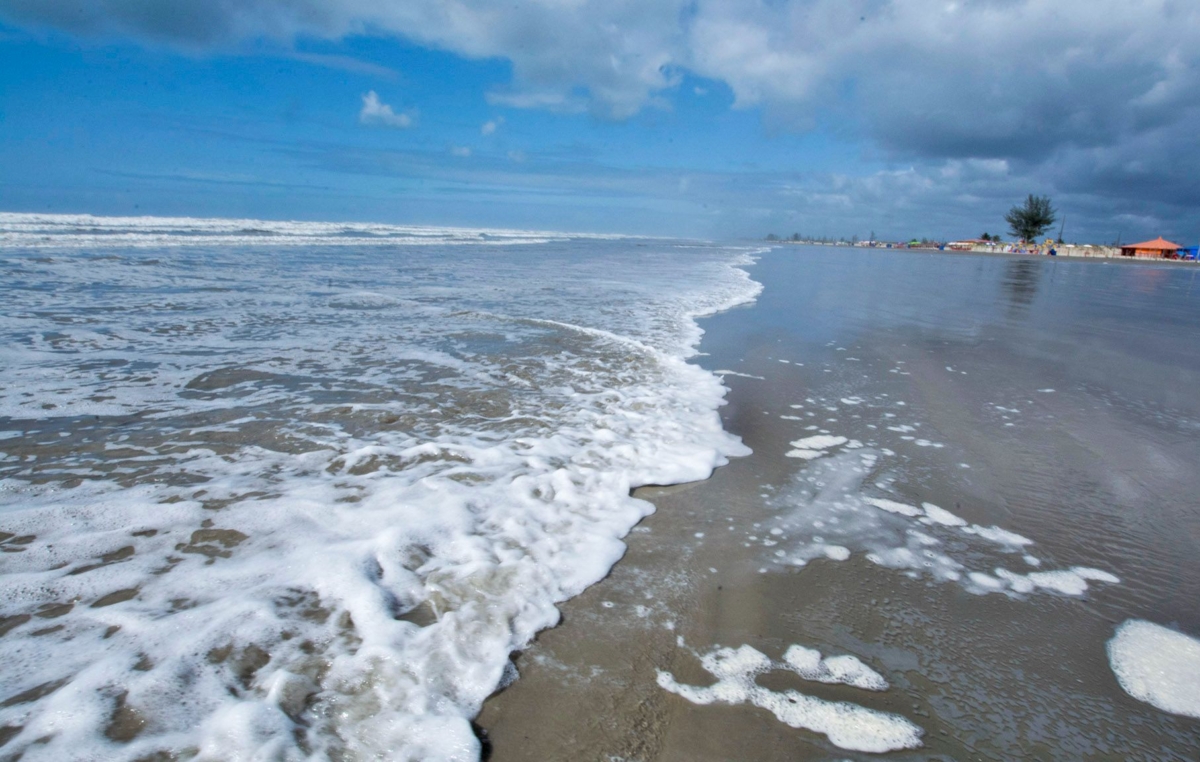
point(1159, 247)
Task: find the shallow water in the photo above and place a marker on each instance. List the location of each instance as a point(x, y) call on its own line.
point(274, 490)
point(968, 473)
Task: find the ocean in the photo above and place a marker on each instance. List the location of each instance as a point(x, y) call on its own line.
point(299, 490)
point(328, 491)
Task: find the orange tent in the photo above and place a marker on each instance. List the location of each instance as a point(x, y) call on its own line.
point(1159, 248)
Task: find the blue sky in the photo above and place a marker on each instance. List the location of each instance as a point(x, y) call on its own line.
point(662, 117)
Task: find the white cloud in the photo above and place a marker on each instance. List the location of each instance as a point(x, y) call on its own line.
point(1097, 95)
point(548, 100)
point(490, 126)
point(344, 63)
point(375, 111)
point(994, 76)
point(460, 151)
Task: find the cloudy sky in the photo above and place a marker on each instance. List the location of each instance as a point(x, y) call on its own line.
point(690, 117)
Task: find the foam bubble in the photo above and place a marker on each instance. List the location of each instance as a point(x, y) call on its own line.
point(819, 442)
point(999, 536)
point(1157, 665)
point(891, 506)
point(848, 726)
point(1072, 581)
point(804, 454)
point(836, 670)
point(985, 582)
point(942, 516)
point(1059, 581)
point(836, 552)
point(811, 448)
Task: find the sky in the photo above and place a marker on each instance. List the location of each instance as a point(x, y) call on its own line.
point(698, 118)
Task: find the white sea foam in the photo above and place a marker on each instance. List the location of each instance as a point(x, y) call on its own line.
point(835, 552)
point(1157, 665)
point(311, 499)
point(836, 670)
point(804, 454)
point(819, 442)
point(999, 536)
point(62, 231)
point(985, 582)
point(1073, 581)
point(942, 516)
point(846, 725)
point(891, 506)
point(825, 508)
point(814, 447)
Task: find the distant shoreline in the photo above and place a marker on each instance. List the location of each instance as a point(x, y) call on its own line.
point(1066, 252)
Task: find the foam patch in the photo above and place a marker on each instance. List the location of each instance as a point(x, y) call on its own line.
point(837, 670)
point(826, 515)
point(1157, 665)
point(848, 726)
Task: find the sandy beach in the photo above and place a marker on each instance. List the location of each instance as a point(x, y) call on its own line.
point(1043, 400)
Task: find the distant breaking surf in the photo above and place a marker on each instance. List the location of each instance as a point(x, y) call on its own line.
point(22, 230)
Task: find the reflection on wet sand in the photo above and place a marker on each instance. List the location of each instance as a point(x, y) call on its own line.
point(924, 563)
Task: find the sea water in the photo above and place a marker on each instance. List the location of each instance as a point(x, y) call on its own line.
point(968, 530)
point(292, 490)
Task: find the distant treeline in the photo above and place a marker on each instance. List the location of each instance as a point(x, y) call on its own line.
point(851, 241)
point(797, 238)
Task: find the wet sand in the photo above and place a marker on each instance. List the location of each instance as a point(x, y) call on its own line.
point(1055, 400)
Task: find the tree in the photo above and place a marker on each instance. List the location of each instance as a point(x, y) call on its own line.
point(1032, 219)
point(985, 237)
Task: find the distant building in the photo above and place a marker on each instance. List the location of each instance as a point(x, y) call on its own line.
point(967, 244)
point(1159, 248)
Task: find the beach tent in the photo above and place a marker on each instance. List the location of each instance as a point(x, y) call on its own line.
point(1158, 248)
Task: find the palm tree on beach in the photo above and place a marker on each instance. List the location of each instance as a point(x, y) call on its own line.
point(1031, 219)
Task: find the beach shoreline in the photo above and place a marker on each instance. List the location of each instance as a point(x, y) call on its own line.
point(1103, 253)
point(982, 673)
